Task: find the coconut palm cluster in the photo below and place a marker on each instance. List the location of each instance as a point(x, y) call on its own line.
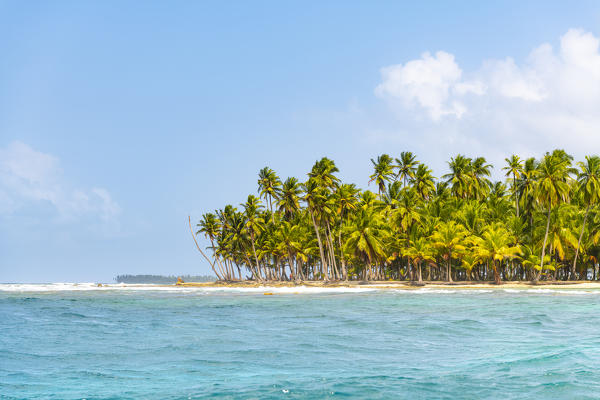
point(542, 223)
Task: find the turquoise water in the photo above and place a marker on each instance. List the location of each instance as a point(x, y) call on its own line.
point(108, 344)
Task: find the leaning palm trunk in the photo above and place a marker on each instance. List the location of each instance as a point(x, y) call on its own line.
point(579, 243)
point(212, 265)
point(539, 273)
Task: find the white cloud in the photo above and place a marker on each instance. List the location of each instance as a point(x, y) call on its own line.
point(550, 100)
point(428, 82)
point(29, 177)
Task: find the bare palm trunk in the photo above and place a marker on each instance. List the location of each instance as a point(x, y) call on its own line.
point(579, 243)
point(419, 272)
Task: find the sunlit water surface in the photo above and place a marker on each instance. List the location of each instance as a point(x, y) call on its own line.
point(69, 342)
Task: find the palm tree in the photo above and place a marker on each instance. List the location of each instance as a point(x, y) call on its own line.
point(588, 182)
point(514, 167)
point(268, 185)
point(315, 197)
point(448, 238)
point(460, 176)
point(383, 171)
point(480, 172)
point(419, 251)
point(254, 223)
point(551, 188)
point(423, 182)
point(210, 226)
point(366, 239)
point(495, 245)
point(406, 165)
point(323, 229)
point(322, 173)
point(289, 199)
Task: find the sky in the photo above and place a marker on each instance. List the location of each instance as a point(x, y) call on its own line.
point(118, 119)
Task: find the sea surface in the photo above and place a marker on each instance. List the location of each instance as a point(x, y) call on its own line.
point(66, 341)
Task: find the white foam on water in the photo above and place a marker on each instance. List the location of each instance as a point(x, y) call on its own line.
point(78, 287)
point(89, 286)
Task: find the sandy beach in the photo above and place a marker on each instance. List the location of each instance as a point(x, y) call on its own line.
point(400, 285)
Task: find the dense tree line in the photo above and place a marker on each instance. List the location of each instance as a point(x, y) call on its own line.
point(543, 223)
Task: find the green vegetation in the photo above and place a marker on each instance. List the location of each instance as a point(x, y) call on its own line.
point(542, 224)
point(161, 279)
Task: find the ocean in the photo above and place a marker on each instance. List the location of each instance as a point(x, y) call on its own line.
point(66, 341)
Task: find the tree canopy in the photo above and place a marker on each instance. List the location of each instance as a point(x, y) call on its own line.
point(542, 223)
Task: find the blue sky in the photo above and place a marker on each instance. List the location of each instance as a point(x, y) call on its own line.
point(118, 119)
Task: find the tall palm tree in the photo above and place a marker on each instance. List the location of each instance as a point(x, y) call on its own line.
point(406, 165)
point(315, 197)
point(460, 176)
point(514, 167)
point(269, 185)
point(551, 189)
point(383, 171)
point(423, 182)
point(322, 173)
point(589, 187)
point(289, 199)
point(480, 172)
point(254, 223)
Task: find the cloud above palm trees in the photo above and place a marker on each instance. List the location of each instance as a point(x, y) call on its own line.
point(552, 97)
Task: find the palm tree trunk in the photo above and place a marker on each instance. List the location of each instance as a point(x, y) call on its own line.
point(255, 257)
point(334, 268)
point(579, 243)
point(496, 273)
point(342, 260)
point(450, 267)
point(321, 253)
point(419, 272)
point(516, 193)
point(539, 273)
